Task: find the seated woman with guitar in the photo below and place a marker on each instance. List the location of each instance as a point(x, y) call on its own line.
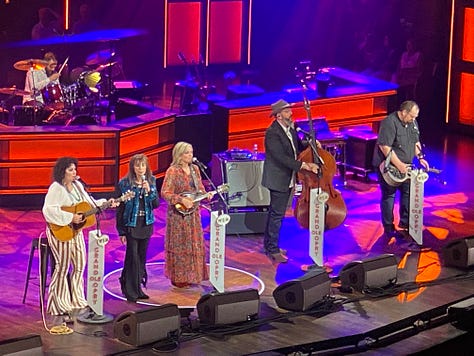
point(185, 258)
point(67, 209)
point(134, 224)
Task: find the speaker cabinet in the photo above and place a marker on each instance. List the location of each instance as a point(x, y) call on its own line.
point(462, 314)
point(146, 326)
point(459, 253)
point(228, 307)
point(30, 345)
point(244, 178)
point(375, 272)
point(246, 222)
point(360, 147)
point(303, 293)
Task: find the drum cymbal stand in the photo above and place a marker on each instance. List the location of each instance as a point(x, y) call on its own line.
point(110, 94)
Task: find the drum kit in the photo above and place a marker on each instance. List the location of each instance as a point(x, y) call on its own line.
point(62, 103)
point(88, 94)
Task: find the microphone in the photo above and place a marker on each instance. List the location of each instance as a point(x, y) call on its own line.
point(79, 179)
point(306, 133)
point(199, 163)
point(143, 192)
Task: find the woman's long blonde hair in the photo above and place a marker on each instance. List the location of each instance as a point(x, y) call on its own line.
point(178, 151)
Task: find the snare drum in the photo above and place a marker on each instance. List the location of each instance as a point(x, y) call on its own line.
point(53, 96)
point(28, 115)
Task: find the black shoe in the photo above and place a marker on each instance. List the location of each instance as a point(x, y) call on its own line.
point(403, 227)
point(131, 299)
point(278, 257)
point(398, 235)
point(143, 296)
point(122, 285)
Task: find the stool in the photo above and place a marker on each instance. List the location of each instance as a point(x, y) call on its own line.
point(186, 89)
point(45, 254)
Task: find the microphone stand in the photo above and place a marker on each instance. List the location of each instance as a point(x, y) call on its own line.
point(311, 140)
point(214, 188)
point(316, 158)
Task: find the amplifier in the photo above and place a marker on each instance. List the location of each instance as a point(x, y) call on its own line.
point(244, 177)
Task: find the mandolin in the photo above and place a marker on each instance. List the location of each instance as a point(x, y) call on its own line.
point(196, 198)
point(68, 232)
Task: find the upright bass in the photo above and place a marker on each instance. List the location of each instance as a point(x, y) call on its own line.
point(335, 209)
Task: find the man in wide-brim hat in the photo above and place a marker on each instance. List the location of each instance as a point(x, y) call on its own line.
point(282, 147)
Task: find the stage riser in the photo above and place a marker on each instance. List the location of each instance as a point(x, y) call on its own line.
point(27, 154)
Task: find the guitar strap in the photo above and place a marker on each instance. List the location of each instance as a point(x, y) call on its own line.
point(89, 199)
point(194, 178)
point(79, 192)
point(387, 159)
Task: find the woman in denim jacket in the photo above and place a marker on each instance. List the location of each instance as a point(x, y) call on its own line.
point(134, 223)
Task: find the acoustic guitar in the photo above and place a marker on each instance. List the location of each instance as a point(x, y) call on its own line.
point(68, 232)
point(196, 198)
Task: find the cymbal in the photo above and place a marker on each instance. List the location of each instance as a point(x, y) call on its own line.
point(27, 64)
point(105, 66)
point(100, 57)
point(14, 91)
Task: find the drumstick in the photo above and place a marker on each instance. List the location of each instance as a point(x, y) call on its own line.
point(65, 62)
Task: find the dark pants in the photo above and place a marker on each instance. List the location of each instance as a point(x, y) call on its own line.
point(276, 213)
point(388, 201)
point(134, 269)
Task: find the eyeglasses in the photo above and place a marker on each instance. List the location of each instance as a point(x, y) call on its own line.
point(412, 115)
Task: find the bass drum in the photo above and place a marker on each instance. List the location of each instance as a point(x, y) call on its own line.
point(76, 95)
point(80, 93)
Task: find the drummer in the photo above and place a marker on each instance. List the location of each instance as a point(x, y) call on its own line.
point(38, 79)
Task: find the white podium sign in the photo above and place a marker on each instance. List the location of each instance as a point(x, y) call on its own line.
point(317, 210)
point(217, 250)
point(417, 194)
point(95, 271)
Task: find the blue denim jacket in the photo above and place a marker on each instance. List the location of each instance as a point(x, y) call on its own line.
point(127, 212)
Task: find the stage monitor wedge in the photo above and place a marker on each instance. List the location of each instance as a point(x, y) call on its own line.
point(30, 345)
point(146, 326)
point(377, 272)
point(459, 253)
point(228, 307)
point(303, 293)
point(462, 314)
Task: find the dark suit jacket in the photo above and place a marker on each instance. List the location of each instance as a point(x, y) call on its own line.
point(280, 162)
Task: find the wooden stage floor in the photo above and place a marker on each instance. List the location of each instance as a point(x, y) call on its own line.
point(412, 314)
